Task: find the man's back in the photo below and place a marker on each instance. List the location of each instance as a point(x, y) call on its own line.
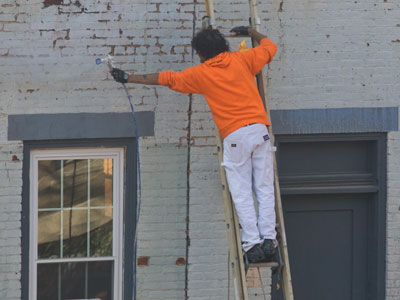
point(228, 84)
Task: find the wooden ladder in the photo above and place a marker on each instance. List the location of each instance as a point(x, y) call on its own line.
point(236, 262)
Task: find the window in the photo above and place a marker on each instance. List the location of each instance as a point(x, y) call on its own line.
point(76, 224)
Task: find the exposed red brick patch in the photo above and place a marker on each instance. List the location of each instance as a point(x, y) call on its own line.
point(180, 261)
point(15, 158)
point(47, 3)
point(143, 261)
point(61, 38)
point(5, 53)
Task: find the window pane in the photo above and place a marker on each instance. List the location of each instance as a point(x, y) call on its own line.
point(47, 281)
point(49, 183)
point(75, 280)
point(49, 234)
point(75, 183)
point(100, 280)
point(101, 175)
point(101, 230)
point(75, 233)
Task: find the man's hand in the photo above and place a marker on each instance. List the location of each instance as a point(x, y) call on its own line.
point(240, 30)
point(123, 77)
point(119, 75)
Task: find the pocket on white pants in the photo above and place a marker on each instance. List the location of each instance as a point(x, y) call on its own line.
point(270, 147)
point(233, 151)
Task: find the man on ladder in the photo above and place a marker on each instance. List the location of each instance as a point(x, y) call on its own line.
point(227, 80)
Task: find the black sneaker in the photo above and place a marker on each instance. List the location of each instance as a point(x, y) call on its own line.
point(269, 249)
point(255, 254)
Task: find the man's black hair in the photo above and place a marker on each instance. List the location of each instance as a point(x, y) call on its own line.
point(209, 43)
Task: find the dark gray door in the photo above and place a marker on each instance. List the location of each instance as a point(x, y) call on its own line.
point(333, 195)
point(327, 239)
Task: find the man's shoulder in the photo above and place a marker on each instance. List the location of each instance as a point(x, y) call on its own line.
point(192, 69)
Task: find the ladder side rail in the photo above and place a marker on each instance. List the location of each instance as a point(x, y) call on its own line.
point(261, 82)
point(233, 231)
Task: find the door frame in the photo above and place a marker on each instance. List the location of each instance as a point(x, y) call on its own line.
point(376, 265)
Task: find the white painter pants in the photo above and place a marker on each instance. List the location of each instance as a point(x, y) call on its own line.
point(248, 162)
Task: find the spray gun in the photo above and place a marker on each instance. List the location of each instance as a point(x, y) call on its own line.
point(108, 60)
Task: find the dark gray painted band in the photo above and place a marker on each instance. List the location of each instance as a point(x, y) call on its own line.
point(79, 126)
point(119, 125)
point(335, 120)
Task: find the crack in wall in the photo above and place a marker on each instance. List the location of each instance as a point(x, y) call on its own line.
point(281, 35)
point(188, 138)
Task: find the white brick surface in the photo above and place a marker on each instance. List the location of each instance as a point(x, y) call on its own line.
point(331, 54)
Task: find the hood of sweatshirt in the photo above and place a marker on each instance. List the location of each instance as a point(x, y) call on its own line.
point(222, 60)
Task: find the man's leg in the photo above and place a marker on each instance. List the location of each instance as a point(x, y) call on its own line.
point(237, 163)
point(263, 185)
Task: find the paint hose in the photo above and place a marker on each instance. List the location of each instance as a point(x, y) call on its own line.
point(109, 61)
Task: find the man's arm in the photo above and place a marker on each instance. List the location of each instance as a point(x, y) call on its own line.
point(258, 56)
point(144, 79)
point(123, 77)
point(255, 35)
point(185, 81)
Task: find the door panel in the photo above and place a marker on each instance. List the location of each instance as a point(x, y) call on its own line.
point(327, 240)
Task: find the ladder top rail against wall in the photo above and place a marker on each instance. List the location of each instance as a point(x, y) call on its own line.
point(236, 261)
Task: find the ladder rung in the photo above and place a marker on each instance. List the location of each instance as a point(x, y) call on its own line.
point(264, 265)
point(235, 36)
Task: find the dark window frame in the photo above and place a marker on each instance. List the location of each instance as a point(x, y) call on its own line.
point(129, 202)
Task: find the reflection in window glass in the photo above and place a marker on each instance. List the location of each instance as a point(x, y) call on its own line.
point(75, 183)
point(69, 191)
point(75, 233)
point(101, 174)
point(49, 183)
point(101, 232)
point(49, 234)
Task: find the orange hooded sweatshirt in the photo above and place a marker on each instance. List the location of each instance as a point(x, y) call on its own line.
point(228, 83)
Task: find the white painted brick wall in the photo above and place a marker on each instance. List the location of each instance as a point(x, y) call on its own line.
point(331, 54)
point(10, 219)
point(162, 223)
point(393, 218)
